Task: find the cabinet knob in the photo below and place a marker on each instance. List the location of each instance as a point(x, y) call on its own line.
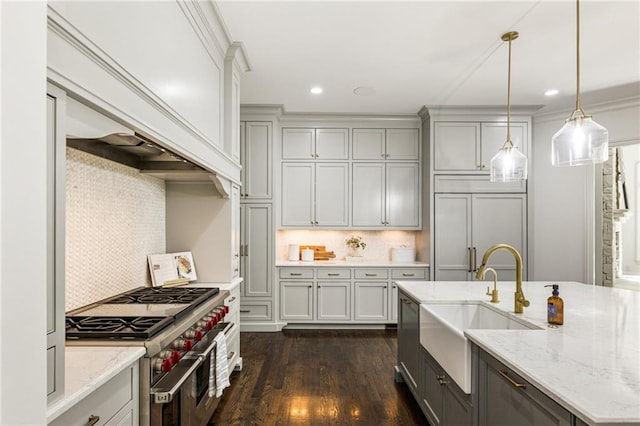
point(310, 286)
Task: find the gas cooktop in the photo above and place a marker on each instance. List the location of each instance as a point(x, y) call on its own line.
point(137, 314)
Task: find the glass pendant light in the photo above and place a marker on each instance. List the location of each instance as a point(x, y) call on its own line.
point(509, 164)
point(581, 140)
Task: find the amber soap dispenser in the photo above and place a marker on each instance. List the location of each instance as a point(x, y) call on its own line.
point(555, 307)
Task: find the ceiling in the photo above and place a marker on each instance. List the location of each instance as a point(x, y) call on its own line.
point(429, 52)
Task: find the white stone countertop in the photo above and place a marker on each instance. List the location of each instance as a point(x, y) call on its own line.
point(366, 263)
point(87, 368)
point(590, 365)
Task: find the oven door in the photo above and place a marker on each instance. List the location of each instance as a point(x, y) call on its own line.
point(182, 396)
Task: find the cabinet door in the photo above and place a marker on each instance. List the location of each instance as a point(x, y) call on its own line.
point(370, 301)
point(409, 340)
point(369, 144)
point(494, 135)
point(257, 232)
point(235, 231)
point(298, 194)
point(332, 144)
point(298, 144)
point(334, 301)
point(431, 391)
point(55, 244)
point(402, 144)
point(452, 237)
point(368, 194)
point(332, 194)
point(402, 195)
point(502, 403)
point(500, 219)
point(296, 300)
point(257, 161)
point(456, 146)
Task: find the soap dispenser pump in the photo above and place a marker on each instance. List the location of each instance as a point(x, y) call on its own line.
point(555, 307)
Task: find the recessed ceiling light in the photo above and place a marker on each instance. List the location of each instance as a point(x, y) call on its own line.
point(364, 91)
point(551, 92)
point(316, 90)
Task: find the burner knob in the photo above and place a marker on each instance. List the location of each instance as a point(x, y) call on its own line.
point(178, 344)
point(198, 335)
point(175, 357)
point(167, 365)
point(210, 324)
point(188, 345)
point(220, 314)
point(226, 309)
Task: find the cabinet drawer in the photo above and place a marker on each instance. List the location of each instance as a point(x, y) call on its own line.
point(256, 311)
point(302, 273)
point(334, 273)
point(372, 274)
point(408, 274)
point(104, 402)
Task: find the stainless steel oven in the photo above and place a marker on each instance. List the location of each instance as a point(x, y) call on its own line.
point(184, 396)
point(177, 326)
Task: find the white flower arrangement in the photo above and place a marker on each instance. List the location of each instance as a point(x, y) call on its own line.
point(356, 243)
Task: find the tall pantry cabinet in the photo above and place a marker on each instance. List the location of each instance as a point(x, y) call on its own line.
point(257, 243)
point(469, 213)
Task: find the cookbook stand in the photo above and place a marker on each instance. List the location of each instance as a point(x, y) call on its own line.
point(172, 269)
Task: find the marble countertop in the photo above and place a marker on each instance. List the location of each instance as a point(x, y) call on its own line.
point(87, 368)
point(590, 365)
point(352, 264)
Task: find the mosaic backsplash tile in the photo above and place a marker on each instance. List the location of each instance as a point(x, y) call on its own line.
point(115, 217)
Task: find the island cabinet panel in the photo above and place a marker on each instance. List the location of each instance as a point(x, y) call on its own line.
point(409, 342)
point(505, 398)
point(442, 401)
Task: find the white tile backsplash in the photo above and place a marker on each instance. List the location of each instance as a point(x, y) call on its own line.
point(115, 217)
point(379, 243)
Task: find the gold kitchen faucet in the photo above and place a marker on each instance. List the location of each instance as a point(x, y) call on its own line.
point(520, 302)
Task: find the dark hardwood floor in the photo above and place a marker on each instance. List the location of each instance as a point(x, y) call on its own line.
point(318, 377)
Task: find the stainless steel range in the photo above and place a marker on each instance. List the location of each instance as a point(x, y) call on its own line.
point(177, 326)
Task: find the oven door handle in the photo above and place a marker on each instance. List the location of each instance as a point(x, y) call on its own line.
point(164, 391)
point(212, 343)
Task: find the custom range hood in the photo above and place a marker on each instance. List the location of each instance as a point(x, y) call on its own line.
point(92, 132)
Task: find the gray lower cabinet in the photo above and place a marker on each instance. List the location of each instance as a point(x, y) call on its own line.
point(505, 398)
point(441, 399)
point(409, 341)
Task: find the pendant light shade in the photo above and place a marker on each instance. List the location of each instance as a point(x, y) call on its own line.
point(509, 164)
point(581, 141)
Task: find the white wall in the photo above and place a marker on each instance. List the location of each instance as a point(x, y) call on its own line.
point(23, 186)
point(562, 203)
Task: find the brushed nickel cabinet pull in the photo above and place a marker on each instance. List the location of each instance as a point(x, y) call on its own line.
point(406, 274)
point(243, 311)
point(333, 275)
point(441, 379)
point(505, 374)
point(370, 275)
point(468, 259)
point(93, 419)
point(295, 274)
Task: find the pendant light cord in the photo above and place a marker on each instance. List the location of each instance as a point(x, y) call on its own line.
point(578, 103)
point(509, 98)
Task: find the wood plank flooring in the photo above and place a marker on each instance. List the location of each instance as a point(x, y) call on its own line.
point(318, 377)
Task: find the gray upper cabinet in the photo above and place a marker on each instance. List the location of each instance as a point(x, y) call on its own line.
point(469, 146)
point(315, 144)
point(386, 144)
point(256, 139)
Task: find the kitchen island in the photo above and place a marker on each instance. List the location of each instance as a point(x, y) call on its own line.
point(590, 366)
